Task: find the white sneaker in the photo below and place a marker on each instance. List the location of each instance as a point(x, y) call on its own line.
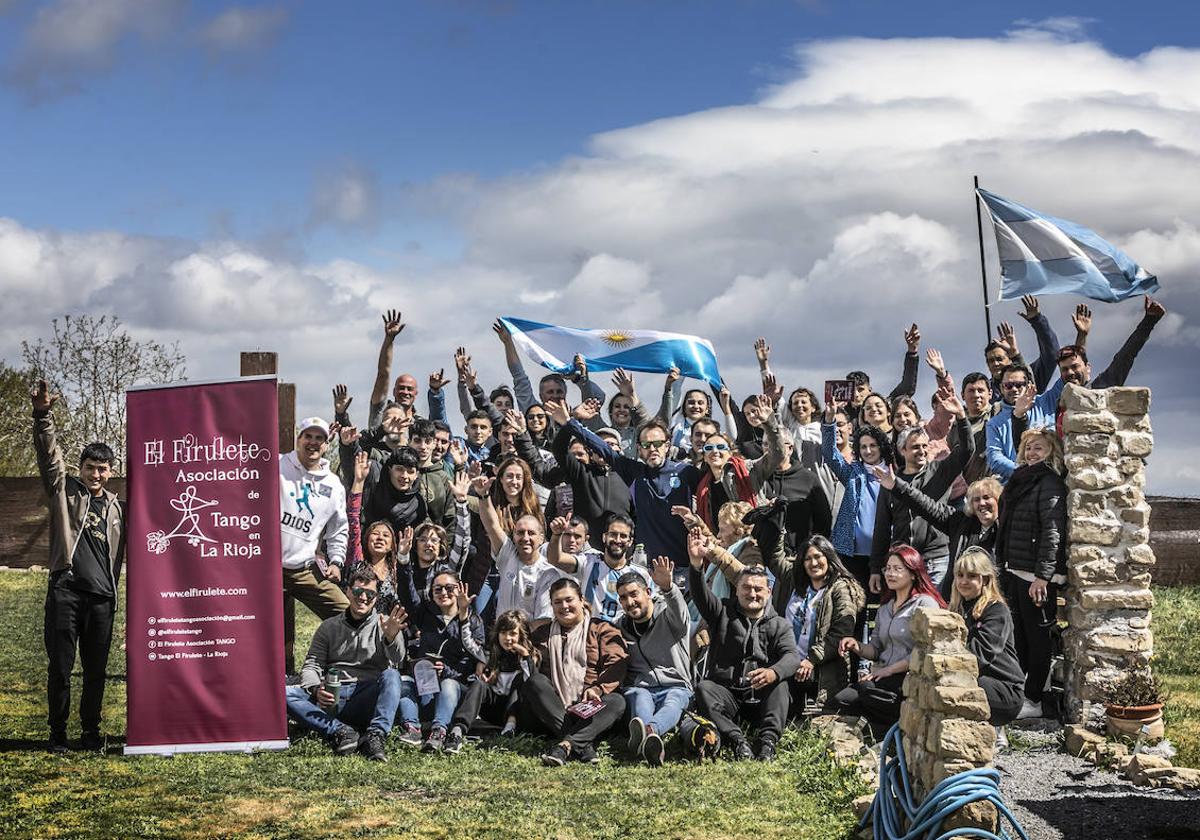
point(1001, 739)
point(1030, 709)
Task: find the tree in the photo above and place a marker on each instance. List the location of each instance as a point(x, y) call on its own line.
point(16, 435)
point(91, 362)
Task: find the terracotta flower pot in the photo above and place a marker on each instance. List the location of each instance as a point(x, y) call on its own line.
point(1129, 720)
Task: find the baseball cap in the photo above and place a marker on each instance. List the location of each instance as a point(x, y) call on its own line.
point(313, 423)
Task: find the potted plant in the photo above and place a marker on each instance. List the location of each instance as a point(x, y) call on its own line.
point(1135, 701)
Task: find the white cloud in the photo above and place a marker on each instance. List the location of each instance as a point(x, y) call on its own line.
point(827, 214)
point(241, 28)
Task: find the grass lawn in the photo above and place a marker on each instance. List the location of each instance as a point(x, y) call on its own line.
point(1176, 628)
point(306, 792)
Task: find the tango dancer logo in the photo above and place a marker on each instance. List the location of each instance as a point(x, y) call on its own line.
point(188, 528)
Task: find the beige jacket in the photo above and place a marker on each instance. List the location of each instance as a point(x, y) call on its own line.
point(68, 502)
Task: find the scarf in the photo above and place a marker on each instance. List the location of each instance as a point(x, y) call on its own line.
point(402, 509)
point(568, 659)
point(742, 488)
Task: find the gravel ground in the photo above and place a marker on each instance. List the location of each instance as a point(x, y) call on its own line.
point(1058, 797)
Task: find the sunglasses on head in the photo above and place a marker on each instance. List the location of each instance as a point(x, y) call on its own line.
point(716, 447)
point(363, 592)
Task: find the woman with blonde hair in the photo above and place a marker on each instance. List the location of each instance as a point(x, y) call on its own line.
point(1031, 543)
point(977, 599)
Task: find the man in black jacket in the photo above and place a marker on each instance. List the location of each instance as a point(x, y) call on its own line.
point(751, 656)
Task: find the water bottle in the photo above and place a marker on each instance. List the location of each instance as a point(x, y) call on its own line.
point(333, 683)
point(639, 555)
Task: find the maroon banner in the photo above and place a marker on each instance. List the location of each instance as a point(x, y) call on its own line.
point(204, 591)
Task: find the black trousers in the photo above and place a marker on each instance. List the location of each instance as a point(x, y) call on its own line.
point(877, 700)
point(480, 700)
point(76, 618)
point(1033, 632)
point(542, 709)
point(1004, 699)
point(767, 709)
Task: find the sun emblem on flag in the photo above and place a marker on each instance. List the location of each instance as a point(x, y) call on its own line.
point(616, 338)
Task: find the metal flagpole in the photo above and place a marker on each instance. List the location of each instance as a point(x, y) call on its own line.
point(987, 313)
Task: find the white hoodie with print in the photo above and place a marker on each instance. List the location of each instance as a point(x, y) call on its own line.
point(311, 503)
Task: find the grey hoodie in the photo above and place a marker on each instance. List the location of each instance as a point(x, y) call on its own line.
point(658, 654)
point(360, 653)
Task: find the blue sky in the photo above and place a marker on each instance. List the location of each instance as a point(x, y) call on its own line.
point(273, 175)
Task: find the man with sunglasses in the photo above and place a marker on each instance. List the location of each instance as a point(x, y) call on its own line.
point(366, 651)
point(1021, 401)
point(656, 483)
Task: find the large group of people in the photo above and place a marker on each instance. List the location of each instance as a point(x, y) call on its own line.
point(569, 565)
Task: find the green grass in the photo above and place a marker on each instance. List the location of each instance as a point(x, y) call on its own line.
point(1176, 661)
point(307, 792)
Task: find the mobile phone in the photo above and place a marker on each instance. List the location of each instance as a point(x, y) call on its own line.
point(838, 390)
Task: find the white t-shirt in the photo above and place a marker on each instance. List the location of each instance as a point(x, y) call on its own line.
point(605, 603)
point(524, 587)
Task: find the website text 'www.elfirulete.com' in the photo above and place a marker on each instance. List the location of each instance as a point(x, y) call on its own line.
point(201, 592)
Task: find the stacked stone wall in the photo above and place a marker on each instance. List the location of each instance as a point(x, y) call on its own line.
point(944, 716)
point(1107, 436)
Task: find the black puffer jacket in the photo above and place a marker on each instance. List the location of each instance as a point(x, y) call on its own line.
point(1031, 534)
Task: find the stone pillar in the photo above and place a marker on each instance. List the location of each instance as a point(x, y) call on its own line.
point(944, 714)
point(1106, 437)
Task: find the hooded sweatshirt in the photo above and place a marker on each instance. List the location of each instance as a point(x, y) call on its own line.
point(311, 503)
point(658, 648)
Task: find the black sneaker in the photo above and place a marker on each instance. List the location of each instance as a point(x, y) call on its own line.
point(586, 755)
point(742, 751)
point(372, 745)
point(435, 741)
point(454, 741)
point(766, 750)
point(557, 755)
point(411, 736)
point(637, 735)
point(653, 749)
point(345, 740)
point(58, 743)
point(91, 741)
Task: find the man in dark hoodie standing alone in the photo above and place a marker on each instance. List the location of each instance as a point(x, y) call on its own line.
point(751, 656)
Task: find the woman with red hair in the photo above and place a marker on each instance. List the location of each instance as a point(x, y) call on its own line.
point(908, 587)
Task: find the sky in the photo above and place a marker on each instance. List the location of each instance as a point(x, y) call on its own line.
point(274, 176)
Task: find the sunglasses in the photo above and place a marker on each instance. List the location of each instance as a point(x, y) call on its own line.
point(652, 444)
point(716, 447)
point(1014, 386)
point(363, 592)
point(448, 588)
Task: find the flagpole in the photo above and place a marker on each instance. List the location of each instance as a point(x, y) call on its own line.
point(987, 313)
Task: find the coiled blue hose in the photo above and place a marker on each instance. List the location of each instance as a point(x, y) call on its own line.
point(894, 805)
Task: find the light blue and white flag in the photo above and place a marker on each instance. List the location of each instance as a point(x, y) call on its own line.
point(1042, 255)
point(649, 351)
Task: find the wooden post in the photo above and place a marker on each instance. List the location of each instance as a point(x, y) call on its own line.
point(261, 364)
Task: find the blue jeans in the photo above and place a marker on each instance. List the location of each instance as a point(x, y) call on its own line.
point(367, 703)
point(661, 708)
point(413, 706)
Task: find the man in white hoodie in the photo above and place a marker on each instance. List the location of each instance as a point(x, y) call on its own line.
point(312, 506)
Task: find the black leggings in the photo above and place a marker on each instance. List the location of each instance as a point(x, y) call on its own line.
point(541, 708)
point(877, 700)
point(1033, 632)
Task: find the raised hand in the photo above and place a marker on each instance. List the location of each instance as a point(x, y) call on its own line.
point(724, 399)
point(393, 324)
point(42, 398)
point(1033, 307)
point(341, 399)
point(1006, 336)
point(580, 372)
point(949, 401)
point(362, 468)
point(458, 452)
point(1025, 400)
point(1154, 309)
point(481, 484)
point(460, 485)
point(393, 623)
point(586, 410)
point(462, 359)
point(933, 358)
point(698, 545)
point(558, 526)
point(502, 333)
point(346, 434)
point(515, 420)
point(474, 470)
point(762, 351)
point(557, 411)
point(661, 570)
point(690, 519)
point(673, 376)
point(1082, 319)
point(623, 380)
point(765, 407)
point(404, 541)
point(464, 599)
point(772, 389)
point(438, 380)
point(831, 409)
point(912, 338)
point(884, 475)
point(467, 374)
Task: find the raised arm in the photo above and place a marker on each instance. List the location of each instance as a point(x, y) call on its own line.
point(672, 392)
point(562, 560)
point(829, 450)
point(393, 325)
point(45, 442)
point(709, 606)
point(488, 515)
point(1046, 364)
point(1118, 370)
point(437, 395)
point(912, 364)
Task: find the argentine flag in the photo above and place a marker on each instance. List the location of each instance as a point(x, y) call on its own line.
point(1042, 255)
point(649, 351)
